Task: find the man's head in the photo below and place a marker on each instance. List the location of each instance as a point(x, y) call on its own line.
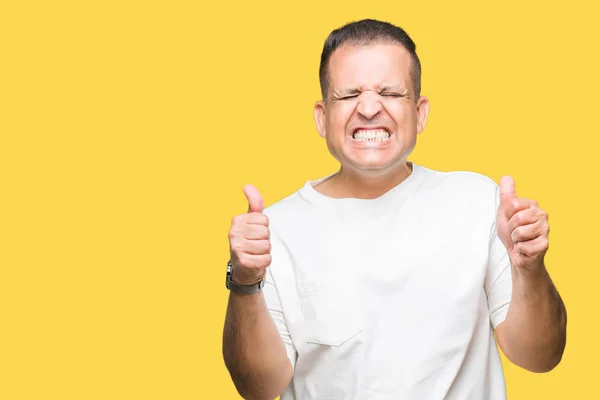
point(372, 110)
point(364, 33)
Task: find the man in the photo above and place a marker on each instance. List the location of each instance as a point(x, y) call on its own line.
point(386, 280)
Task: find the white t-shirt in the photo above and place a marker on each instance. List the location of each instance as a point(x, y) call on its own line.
point(395, 297)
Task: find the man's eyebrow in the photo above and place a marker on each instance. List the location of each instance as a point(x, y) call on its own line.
point(392, 88)
point(347, 91)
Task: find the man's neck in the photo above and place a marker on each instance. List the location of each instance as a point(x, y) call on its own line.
point(348, 184)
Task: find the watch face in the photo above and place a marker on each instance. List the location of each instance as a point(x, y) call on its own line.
point(228, 278)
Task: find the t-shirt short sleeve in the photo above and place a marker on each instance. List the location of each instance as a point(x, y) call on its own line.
point(273, 300)
point(498, 280)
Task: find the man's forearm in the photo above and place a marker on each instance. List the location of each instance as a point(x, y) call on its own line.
point(253, 351)
point(533, 335)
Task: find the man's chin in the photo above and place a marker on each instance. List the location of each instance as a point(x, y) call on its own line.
point(377, 168)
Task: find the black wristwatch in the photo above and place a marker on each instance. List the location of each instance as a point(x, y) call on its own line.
point(242, 289)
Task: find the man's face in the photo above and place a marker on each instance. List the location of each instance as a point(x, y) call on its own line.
point(371, 117)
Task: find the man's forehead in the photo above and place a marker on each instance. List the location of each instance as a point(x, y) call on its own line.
point(376, 66)
point(349, 54)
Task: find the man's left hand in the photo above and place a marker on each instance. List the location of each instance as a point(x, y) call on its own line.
point(523, 228)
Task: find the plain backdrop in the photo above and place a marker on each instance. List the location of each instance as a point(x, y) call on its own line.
point(128, 128)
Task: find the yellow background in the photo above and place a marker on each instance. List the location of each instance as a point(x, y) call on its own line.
point(128, 129)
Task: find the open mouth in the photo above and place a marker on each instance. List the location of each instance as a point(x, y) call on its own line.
point(371, 135)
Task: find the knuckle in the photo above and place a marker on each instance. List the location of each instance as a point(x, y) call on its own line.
point(544, 224)
point(268, 259)
point(237, 249)
point(519, 218)
point(516, 235)
point(234, 236)
point(524, 217)
point(265, 232)
point(519, 247)
point(243, 260)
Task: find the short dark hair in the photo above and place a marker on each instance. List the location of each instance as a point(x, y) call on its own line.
point(364, 33)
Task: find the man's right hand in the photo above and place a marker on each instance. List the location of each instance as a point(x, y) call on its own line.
point(249, 242)
point(253, 350)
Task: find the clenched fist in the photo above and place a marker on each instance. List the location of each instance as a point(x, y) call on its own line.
point(522, 227)
point(249, 243)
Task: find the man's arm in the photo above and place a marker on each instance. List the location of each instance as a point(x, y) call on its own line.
point(253, 351)
point(533, 335)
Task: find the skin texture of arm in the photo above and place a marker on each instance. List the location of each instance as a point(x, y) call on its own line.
point(533, 335)
point(253, 351)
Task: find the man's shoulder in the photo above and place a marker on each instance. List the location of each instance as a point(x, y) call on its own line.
point(466, 193)
point(288, 205)
point(460, 180)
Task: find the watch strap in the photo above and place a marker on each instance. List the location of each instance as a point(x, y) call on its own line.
point(242, 289)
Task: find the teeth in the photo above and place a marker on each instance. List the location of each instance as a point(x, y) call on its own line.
point(377, 135)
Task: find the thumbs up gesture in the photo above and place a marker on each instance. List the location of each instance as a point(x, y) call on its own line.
point(522, 227)
point(249, 241)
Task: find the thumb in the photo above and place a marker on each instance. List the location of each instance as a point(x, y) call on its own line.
point(255, 200)
point(507, 190)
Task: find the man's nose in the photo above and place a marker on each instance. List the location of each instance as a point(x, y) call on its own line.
point(369, 104)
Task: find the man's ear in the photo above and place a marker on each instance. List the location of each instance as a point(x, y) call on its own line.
point(319, 113)
point(422, 113)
